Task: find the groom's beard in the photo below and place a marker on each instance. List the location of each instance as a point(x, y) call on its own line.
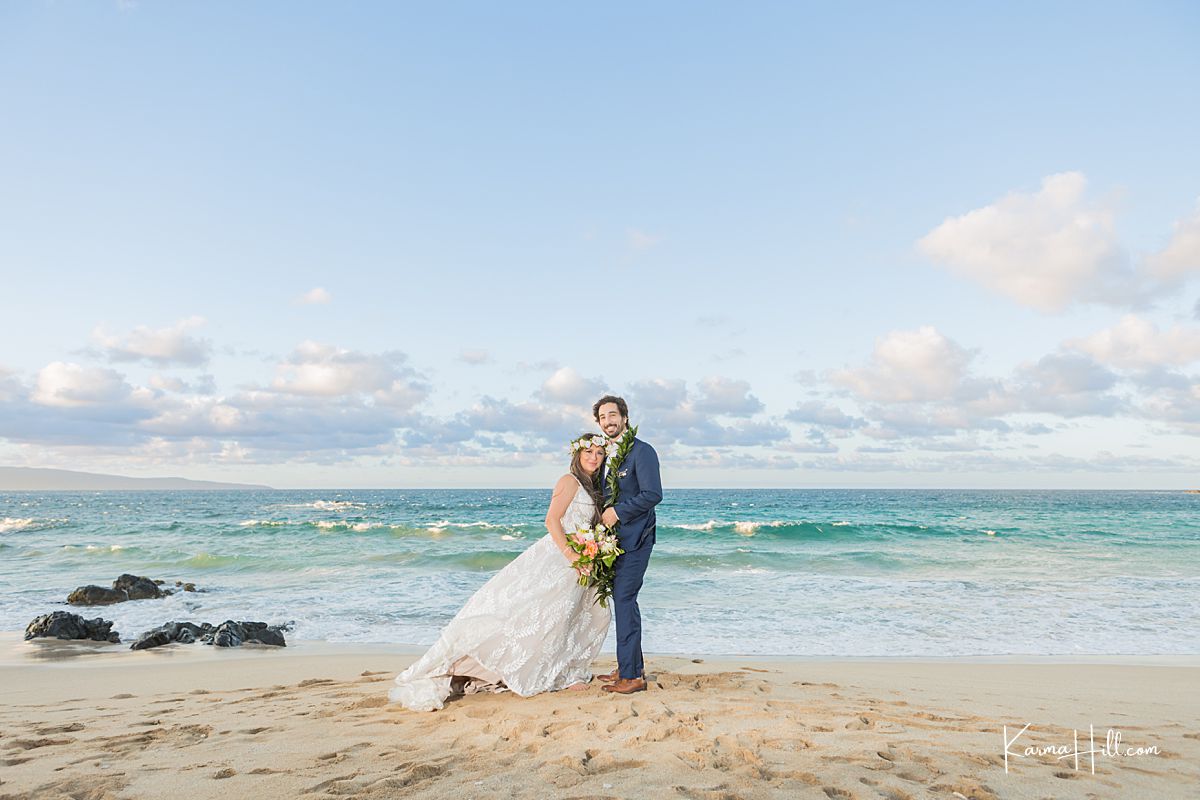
point(617, 433)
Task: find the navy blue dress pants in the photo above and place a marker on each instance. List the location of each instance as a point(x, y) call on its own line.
point(628, 571)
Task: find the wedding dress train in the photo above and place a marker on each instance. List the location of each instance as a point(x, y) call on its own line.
point(531, 628)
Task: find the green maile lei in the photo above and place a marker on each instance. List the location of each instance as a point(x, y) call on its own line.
point(624, 445)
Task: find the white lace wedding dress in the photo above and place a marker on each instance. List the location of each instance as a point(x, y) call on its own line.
point(531, 628)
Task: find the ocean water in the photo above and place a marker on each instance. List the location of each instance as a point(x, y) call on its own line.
point(799, 572)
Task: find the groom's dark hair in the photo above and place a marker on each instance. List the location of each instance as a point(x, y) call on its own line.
point(610, 398)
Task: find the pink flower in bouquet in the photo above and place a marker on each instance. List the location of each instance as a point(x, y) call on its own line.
point(591, 548)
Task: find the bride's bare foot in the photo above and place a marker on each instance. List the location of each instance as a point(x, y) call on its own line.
point(575, 687)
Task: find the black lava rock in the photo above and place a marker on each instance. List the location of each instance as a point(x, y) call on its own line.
point(96, 596)
point(227, 634)
point(139, 588)
point(233, 634)
point(181, 632)
point(126, 587)
point(65, 625)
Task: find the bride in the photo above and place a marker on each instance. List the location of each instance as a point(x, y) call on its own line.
point(531, 628)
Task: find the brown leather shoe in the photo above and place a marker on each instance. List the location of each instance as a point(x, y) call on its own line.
point(615, 675)
point(627, 686)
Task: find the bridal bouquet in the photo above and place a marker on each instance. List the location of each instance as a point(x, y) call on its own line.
point(598, 549)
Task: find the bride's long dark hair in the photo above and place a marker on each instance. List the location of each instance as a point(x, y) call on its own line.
point(591, 483)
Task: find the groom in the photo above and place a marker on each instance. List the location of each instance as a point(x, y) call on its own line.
point(639, 490)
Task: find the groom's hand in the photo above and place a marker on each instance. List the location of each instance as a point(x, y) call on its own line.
point(609, 517)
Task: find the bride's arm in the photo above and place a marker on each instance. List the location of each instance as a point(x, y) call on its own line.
point(564, 492)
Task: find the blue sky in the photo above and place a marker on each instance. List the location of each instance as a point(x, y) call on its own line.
point(378, 244)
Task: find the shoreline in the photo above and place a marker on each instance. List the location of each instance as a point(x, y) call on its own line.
point(15, 651)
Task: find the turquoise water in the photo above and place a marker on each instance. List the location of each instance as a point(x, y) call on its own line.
point(803, 572)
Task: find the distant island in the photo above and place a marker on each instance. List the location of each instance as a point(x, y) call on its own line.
point(17, 479)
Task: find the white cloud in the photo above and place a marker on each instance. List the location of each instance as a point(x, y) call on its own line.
point(67, 385)
point(314, 297)
point(824, 414)
point(918, 385)
point(475, 357)
point(168, 383)
point(664, 410)
point(193, 416)
point(1181, 257)
point(723, 459)
point(1067, 385)
point(1178, 405)
point(324, 370)
point(657, 393)
point(983, 461)
point(1044, 249)
point(1137, 343)
point(568, 386)
point(10, 386)
point(917, 393)
point(727, 396)
point(159, 346)
point(551, 424)
point(271, 426)
point(909, 366)
point(204, 384)
point(928, 420)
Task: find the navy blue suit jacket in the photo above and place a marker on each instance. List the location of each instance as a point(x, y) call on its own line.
point(639, 491)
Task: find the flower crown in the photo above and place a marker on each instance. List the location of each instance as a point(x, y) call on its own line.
point(584, 442)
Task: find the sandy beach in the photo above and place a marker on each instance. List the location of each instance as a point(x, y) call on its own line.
point(98, 721)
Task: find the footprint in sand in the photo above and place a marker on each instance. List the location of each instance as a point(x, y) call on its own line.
point(719, 792)
point(836, 793)
point(33, 744)
point(67, 728)
point(409, 775)
point(968, 788)
point(344, 753)
point(378, 701)
point(887, 792)
point(175, 736)
point(109, 786)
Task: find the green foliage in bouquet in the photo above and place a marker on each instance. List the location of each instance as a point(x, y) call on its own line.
point(598, 550)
